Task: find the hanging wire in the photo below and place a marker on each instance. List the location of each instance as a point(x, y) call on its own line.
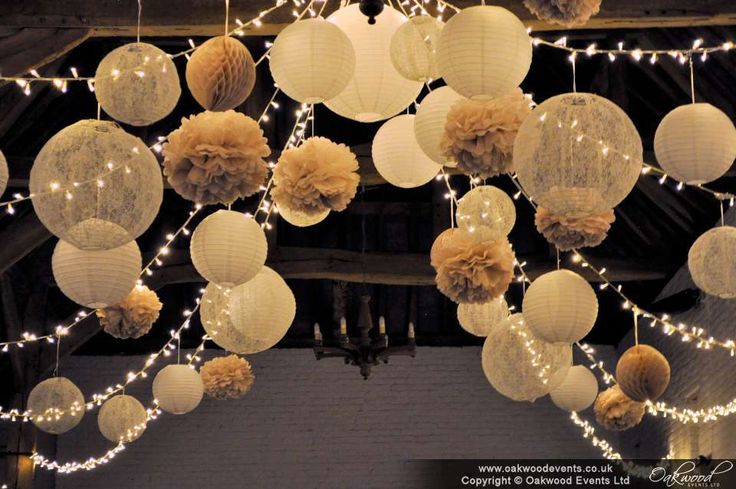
point(573, 57)
point(227, 16)
point(58, 351)
point(363, 237)
point(692, 78)
point(636, 325)
point(558, 257)
point(140, 11)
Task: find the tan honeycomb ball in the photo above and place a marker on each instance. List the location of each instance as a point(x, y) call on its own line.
point(221, 73)
point(643, 373)
point(137, 84)
point(122, 419)
point(414, 46)
point(56, 405)
point(711, 262)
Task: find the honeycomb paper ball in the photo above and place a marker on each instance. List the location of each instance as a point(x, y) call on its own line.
point(484, 52)
point(312, 60)
point(560, 306)
point(487, 213)
point(3, 173)
point(80, 200)
point(96, 278)
point(178, 389)
point(578, 154)
point(479, 319)
point(56, 405)
point(221, 73)
point(137, 84)
point(429, 123)
point(302, 219)
point(695, 143)
point(711, 262)
point(376, 91)
point(577, 391)
point(122, 419)
point(228, 248)
point(398, 157)
point(643, 373)
point(414, 46)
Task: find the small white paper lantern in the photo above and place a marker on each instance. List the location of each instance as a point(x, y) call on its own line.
point(484, 52)
point(376, 91)
point(487, 213)
point(3, 173)
point(56, 405)
point(560, 306)
point(312, 60)
point(300, 219)
point(96, 278)
point(414, 46)
point(398, 157)
point(695, 143)
point(479, 319)
point(137, 84)
point(228, 248)
point(122, 419)
point(578, 390)
point(429, 123)
point(178, 389)
point(711, 262)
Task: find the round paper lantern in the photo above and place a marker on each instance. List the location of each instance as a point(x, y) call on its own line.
point(413, 48)
point(302, 219)
point(695, 143)
point(578, 154)
point(376, 91)
point(643, 373)
point(711, 262)
point(484, 52)
point(56, 405)
point(137, 84)
point(178, 389)
point(228, 248)
point(577, 391)
point(81, 200)
point(122, 419)
point(3, 173)
point(487, 213)
point(560, 306)
point(429, 123)
point(507, 357)
point(221, 73)
point(96, 278)
point(479, 319)
point(398, 157)
point(312, 60)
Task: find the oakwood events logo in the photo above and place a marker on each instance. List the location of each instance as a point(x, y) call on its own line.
point(685, 476)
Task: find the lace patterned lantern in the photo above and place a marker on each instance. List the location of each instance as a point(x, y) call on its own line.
point(302, 219)
point(56, 405)
point(711, 262)
point(479, 319)
point(3, 173)
point(487, 213)
point(414, 46)
point(122, 419)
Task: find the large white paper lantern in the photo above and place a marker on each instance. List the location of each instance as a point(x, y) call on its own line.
point(312, 60)
point(178, 389)
point(479, 319)
point(578, 154)
point(56, 405)
point(560, 306)
point(81, 200)
point(484, 52)
point(414, 46)
point(228, 248)
point(301, 219)
point(711, 262)
point(376, 91)
point(96, 278)
point(3, 173)
point(137, 84)
point(429, 123)
point(398, 157)
point(521, 366)
point(578, 390)
point(695, 143)
point(487, 213)
point(122, 419)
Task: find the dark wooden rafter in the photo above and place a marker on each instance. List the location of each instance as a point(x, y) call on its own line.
point(33, 47)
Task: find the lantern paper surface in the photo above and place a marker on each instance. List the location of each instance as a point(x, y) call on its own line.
point(122, 419)
point(302, 219)
point(56, 405)
point(578, 390)
point(429, 123)
point(414, 46)
point(711, 262)
point(479, 319)
point(487, 213)
point(3, 173)
point(178, 389)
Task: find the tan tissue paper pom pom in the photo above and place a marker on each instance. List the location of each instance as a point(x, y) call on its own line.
point(564, 12)
point(615, 411)
point(133, 316)
point(568, 233)
point(227, 377)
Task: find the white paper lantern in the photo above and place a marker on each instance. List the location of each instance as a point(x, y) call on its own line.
point(429, 123)
point(479, 319)
point(695, 143)
point(560, 306)
point(312, 60)
point(578, 390)
point(178, 389)
point(137, 84)
point(508, 356)
point(122, 419)
point(414, 46)
point(300, 219)
point(56, 405)
point(484, 52)
point(105, 208)
point(228, 248)
point(711, 262)
point(96, 278)
point(376, 91)
point(3, 173)
point(398, 157)
point(578, 154)
point(487, 213)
